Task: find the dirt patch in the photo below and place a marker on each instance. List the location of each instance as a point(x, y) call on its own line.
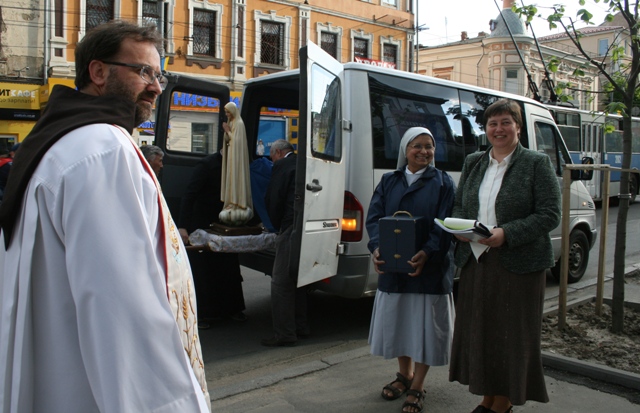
point(588, 337)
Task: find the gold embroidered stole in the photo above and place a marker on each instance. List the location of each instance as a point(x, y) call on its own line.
point(179, 282)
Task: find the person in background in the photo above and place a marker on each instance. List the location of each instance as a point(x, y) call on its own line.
point(216, 274)
point(13, 150)
point(260, 148)
point(98, 310)
point(154, 156)
point(413, 313)
point(514, 190)
point(288, 303)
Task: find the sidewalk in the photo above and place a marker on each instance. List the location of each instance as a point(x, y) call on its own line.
point(351, 382)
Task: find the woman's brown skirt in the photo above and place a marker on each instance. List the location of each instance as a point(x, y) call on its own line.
point(496, 340)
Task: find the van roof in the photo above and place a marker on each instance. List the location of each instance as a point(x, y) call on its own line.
point(407, 75)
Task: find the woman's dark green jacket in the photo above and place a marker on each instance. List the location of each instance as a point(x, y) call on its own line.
point(527, 208)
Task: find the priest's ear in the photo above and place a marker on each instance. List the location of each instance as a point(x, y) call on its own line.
point(99, 72)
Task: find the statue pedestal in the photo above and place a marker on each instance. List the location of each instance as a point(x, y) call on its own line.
point(226, 230)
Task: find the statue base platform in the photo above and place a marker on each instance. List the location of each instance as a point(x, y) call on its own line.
point(226, 230)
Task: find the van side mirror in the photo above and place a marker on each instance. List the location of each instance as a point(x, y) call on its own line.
point(577, 175)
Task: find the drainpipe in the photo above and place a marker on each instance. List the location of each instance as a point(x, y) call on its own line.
point(234, 42)
point(161, 30)
point(47, 35)
point(478, 65)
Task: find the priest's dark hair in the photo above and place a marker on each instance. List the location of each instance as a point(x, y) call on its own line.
point(103, 43)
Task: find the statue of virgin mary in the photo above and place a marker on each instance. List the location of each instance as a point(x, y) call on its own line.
point(236, 185)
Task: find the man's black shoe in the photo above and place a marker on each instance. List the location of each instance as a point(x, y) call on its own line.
point(276, 342)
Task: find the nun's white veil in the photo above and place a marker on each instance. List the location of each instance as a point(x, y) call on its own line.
point(408, 136)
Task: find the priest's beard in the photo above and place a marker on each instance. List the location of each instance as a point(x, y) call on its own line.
point(119, 88)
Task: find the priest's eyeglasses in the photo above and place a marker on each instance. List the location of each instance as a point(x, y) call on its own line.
point(146, 72)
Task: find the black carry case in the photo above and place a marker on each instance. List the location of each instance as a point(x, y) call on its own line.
point(401, 237)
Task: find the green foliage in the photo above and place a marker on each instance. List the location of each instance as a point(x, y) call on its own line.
point(613, 94)
point(616, 56)
point(584, 14)
point(616, 107)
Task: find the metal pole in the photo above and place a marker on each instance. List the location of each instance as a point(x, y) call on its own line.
point(564, 268)
point(603, 241)
point(416, 43)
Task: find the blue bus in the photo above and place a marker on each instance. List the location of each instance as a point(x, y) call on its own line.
point(584, 134)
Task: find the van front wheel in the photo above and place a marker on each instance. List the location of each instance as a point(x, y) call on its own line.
point(578, 257)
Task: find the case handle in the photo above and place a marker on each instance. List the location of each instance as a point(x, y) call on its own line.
point(403, 212)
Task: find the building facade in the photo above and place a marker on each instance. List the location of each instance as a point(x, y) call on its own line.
point(508, 59)
point(227, 41)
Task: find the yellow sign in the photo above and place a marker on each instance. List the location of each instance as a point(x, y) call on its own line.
point(45, 90)
point(19, 96)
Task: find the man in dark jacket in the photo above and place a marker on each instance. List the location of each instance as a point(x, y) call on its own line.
point(216, 275)
point(288, 303)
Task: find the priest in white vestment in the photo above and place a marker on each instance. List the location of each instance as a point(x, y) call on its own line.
point(97, 311)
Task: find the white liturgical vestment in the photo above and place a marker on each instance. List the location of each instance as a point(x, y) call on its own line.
point(86, 324)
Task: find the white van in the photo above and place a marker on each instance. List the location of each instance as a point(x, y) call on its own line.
point(351, 119)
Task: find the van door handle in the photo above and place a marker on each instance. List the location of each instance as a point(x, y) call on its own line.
point(314, 186)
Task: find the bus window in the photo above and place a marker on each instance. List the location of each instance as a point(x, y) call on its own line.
point(569, 126)
point(548, 141)
point(635, 133)
point(613, 141)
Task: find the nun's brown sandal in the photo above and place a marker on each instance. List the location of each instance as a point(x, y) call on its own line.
point(396, 392)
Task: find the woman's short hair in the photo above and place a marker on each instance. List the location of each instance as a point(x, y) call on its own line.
point(501, 107)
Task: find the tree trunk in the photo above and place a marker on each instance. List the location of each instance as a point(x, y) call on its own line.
point(617, 307)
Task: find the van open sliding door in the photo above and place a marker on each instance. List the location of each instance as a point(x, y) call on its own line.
point(321, 155)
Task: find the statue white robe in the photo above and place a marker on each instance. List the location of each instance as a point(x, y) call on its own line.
point(235, 190)
point(85, 323)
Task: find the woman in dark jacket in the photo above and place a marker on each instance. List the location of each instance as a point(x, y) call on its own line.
point(496, 345)
point(413, 313)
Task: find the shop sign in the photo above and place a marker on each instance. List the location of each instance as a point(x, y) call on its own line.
point(372, 62)
point(19, 96)
point(191, 102)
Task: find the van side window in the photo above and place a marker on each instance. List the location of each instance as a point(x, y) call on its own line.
point(326, 112)
point(472, 109)
point(398, 104)
point(548, 141)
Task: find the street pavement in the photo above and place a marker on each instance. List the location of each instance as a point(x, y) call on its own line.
point(351, 381)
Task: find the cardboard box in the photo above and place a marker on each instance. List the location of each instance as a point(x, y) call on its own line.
point(401, 237)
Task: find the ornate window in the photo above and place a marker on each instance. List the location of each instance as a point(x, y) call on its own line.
point(151, 16)
point(205, 25)
point(390, 53)
point(272, 43)
point(390, 50)
point(98, 12)
point(329, 43)
point(329, 39)
point(204, 32)
point(360, 48)
point(360, 44)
